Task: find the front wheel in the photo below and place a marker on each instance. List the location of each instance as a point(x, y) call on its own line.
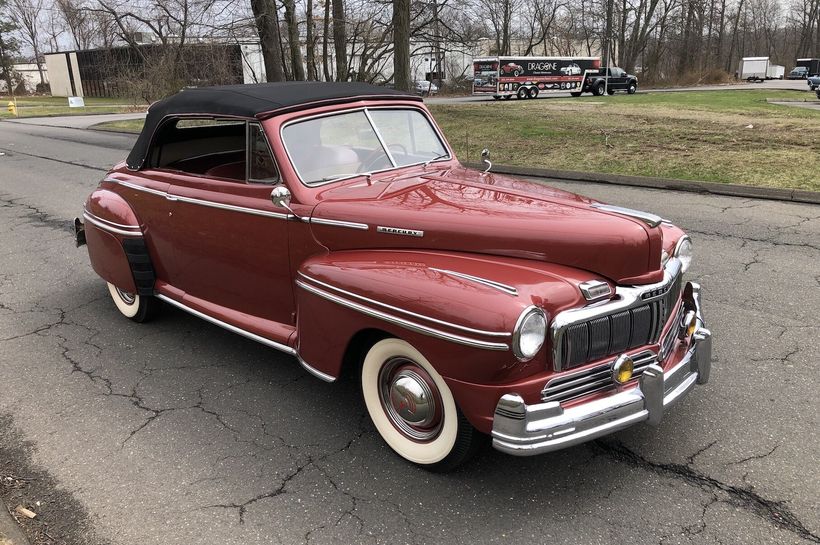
point(139, 308)
point(632, 89)
point(413, 409)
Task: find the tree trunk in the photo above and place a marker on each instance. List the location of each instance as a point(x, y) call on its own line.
point(401, 44)
point(340, 39)
point(310, 47)
point(292, 24)
point(325, 36)
point(264, 16)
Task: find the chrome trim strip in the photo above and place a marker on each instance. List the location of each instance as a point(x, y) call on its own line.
point(627, 297)
point(379, 136)
point(339, 223)
point(202, 202)
point(650, 219)
point(313, 371)
point(399, 231)
point(111, 223)
point(509, 290)
point(99, 224)
point(232, 328)
point(402, 322)
point(230, 207)
point(135, 186)
point(403, 311)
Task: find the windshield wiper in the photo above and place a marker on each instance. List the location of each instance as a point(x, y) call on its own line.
point(348, 175)
point(436, 158)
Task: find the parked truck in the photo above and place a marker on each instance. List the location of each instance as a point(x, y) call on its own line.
point(805, 68)
point(759, 69)
point(527, 77)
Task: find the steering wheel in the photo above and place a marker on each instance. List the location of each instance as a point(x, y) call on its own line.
point(377, 155)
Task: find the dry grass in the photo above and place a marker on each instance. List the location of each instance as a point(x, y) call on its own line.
point(690, 136)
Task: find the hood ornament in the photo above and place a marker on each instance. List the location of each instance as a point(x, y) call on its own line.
point(485, 156)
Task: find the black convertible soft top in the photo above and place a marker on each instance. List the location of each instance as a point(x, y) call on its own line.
point(252, 101)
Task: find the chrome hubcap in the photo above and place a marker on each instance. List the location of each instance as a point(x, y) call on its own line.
point(410, 399)
point(127, 298)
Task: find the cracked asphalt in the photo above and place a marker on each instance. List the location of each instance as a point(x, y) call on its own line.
point(177, 432)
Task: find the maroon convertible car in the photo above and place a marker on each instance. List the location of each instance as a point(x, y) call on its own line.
point(333, 222)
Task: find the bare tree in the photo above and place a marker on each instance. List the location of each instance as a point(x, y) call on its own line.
point(340, 39)
point(264, 13)
point(401, 44)
point(26, 14)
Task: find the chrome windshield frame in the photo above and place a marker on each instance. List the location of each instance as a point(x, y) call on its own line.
point(443, 141)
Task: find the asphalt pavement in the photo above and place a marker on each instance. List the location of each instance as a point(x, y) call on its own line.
point(177, 432)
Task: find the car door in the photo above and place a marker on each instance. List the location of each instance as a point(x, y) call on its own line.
point(231, 243)
point(618, 79)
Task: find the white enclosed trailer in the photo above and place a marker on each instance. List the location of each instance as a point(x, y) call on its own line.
point(759, 69)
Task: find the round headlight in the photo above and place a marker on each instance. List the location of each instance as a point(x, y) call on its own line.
point(529, 334)
point(683, 251)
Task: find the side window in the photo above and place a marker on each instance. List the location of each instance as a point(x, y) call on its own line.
point(209, 147)
point(261, 166)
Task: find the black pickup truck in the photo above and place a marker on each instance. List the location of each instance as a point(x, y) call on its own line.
point(608, 81)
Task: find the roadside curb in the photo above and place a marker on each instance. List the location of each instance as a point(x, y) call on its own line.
point(10, 532)
point(731, 190)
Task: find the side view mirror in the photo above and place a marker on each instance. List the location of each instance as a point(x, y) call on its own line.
point(280, 197)
point(485, 156)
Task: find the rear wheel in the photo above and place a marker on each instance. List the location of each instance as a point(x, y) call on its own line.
point(599, 89)
point(139, 308)
point(534, 92)
point(523, 93)
point(413, 409)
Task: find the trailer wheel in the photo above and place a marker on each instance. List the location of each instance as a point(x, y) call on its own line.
point(534, 92)
point(507, 97)
point(523, 93)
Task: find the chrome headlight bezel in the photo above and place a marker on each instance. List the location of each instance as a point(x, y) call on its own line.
point(527, 352)
point(683, 252)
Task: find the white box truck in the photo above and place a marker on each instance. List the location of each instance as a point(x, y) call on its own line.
point(759, 69)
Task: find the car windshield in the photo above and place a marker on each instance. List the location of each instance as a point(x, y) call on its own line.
point(360, 142)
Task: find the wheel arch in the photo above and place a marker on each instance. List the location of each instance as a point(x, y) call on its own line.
point(116, 243)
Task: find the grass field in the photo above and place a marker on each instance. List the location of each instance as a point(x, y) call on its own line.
point(50, 106)
point(731, 136)
point(684, 135)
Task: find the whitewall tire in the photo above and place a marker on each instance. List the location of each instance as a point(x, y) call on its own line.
point(133, 306)
point(412, 407)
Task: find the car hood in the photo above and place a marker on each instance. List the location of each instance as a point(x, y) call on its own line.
point(464, 210)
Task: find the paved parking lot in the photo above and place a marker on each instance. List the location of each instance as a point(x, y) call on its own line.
point(177, 432)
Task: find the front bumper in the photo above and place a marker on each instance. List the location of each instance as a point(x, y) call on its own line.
point(526, 430)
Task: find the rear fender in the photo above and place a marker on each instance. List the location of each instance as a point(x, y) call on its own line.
point(116, 245)
point(459, 310)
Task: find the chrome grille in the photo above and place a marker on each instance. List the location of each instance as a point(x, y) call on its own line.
point(593, 339)
point(669, 340)
point(597, 378)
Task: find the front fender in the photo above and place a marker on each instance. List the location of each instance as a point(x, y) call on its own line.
point(459, 310)
point(115, 242)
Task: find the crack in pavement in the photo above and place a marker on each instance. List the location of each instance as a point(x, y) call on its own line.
point(751, 239)
point(12, 152)
point(36, 215)
point(771, 511)
point(756, 456)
